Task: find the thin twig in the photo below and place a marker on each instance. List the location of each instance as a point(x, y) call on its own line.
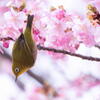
point(6, 39)
point(97, 46)
point(38, 78)
point(19, 84)
point(69, 53)
point(47, 87)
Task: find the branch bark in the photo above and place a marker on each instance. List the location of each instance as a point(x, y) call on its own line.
point(6, 39)
point(97, 46)
point(68, 53)
point(19, 84)
point(61, 51)
point(48, 89)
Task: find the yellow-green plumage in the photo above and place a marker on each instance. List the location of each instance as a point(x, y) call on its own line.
point(24, 51)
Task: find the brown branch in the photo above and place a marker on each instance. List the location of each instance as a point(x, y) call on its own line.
point(19, 84)
point(38, 78)
point(97, 46)
point(62, 51)
point(48, 89)
point(69, 53)
point(6, 39)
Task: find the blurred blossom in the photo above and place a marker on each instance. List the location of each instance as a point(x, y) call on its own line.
point(56, 28)
point(59, 28)
point(3, 9)
point(60, 14)
point(15, 19)
point(6, 44)
point(15, 3)
point(87, 39)
point(37, 94)
point(9, 31)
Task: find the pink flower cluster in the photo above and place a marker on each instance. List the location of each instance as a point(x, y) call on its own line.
point(57, 28)
point(84, 83)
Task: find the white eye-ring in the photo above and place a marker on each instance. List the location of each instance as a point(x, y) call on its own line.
point(16, 69)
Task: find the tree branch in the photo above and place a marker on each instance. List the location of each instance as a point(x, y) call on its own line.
point(19, 84)
point(69, 53)
point(6, 39)
point(97, 46)
point(38, 78)
point(48, 89)
point(62, 51)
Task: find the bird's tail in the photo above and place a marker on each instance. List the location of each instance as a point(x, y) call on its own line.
point(30, 20)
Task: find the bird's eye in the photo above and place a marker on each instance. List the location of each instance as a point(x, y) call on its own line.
point(16, 69)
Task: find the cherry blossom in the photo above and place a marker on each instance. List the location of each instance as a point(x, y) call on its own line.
point(60, 29)
point(67, 32)
point(15, 19)
point(6, 44)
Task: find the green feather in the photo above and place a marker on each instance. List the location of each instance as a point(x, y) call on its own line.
point(24, 51)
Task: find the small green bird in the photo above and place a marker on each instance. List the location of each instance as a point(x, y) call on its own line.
point(24, 51)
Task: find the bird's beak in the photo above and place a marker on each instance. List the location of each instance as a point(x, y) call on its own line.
point(15, 78)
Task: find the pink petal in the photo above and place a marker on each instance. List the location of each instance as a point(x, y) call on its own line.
point(6, 44)
point(3, 9)
point(87, 39)
point(60, 14)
